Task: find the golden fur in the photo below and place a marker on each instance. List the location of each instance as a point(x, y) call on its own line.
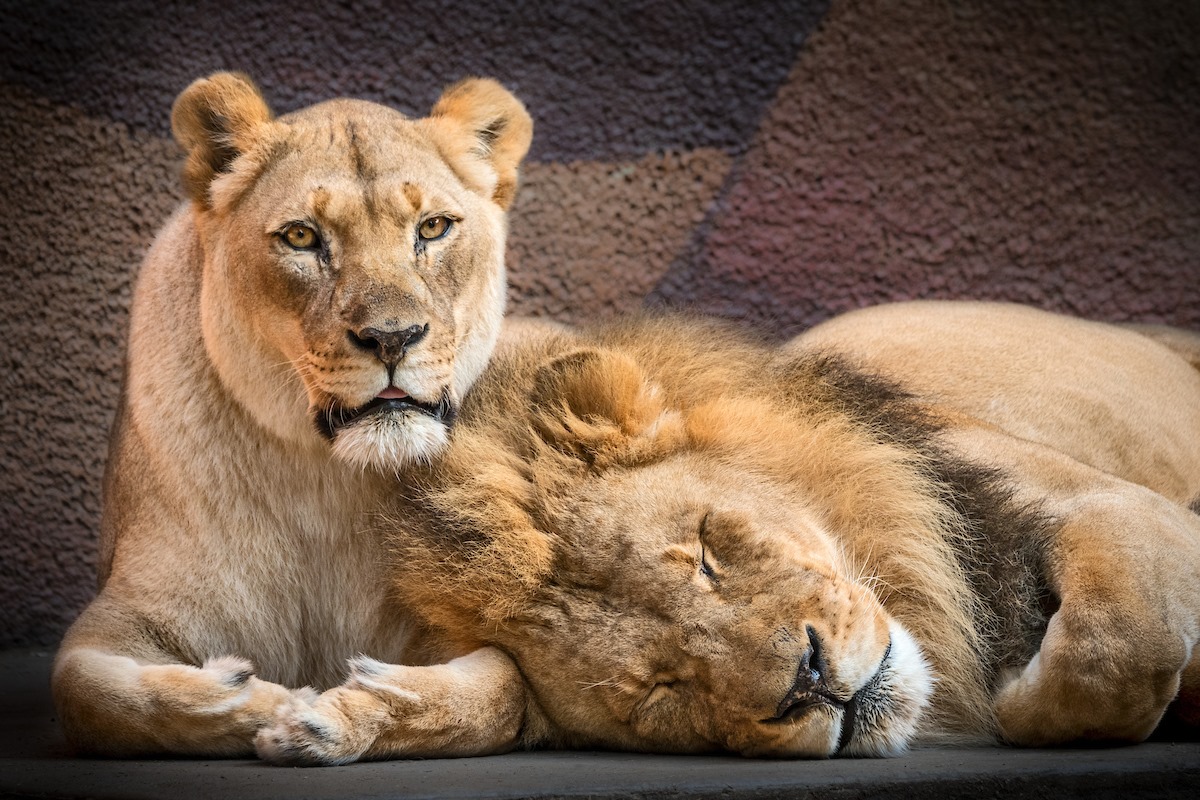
point(301, 329)
point(660, 536)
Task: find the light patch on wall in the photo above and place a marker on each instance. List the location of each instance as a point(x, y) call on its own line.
point(592, 238)
point(82, 199)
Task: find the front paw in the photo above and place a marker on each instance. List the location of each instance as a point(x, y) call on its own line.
point(1086, 684)
point(303, 735)
point(342, 724)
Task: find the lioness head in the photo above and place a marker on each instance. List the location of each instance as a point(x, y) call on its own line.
point(661, 577)
point(353, 279)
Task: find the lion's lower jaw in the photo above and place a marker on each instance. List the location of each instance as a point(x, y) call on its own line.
point(890, 718)
point(390, 442)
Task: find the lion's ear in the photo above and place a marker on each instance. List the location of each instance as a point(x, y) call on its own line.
point(215, 120)
point(484, 132)
point(600, 406)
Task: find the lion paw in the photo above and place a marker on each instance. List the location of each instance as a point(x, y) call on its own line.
point(340, 725)
point(303, 737)
point(230, 679)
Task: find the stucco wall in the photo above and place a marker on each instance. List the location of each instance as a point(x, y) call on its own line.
point(777, 161)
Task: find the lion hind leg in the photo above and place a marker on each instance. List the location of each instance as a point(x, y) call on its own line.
point(1124, 563)
point(473, 705)
point(118, 706)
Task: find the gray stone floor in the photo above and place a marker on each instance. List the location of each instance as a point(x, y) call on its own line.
point(34, 763)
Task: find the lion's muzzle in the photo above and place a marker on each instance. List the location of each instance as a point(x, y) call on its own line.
point(809, 689)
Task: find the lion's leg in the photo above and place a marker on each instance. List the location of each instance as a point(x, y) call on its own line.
point(119, 694)
point(473, 705)
point(1125, 565)
point(1115, 651)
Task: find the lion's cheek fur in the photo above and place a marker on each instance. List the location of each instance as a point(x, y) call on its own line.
point(476, 333)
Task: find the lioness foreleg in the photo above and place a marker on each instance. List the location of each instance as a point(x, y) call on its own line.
point(473, 705)
point(119, 694)
point(1125, 566)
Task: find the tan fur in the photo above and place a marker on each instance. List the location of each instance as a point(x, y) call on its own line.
point(1099, 425)
point(646, 528)
point(236, 557)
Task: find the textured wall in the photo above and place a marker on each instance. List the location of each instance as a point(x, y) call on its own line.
point(1037, 151)
point(777, 161)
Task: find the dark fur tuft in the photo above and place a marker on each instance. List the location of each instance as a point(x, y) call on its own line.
point(1003, 547)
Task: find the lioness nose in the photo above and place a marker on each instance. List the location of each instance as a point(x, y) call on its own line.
point(389, 345)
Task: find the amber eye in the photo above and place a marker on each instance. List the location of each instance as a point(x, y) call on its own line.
point(300, 236)
point(434, 228)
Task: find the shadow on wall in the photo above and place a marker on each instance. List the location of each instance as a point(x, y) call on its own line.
point(1009, 151)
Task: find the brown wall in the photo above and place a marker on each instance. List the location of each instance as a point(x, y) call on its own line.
point(776, 161)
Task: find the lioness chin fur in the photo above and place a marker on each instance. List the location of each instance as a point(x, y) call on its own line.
point(303, 328)
point(927, 520)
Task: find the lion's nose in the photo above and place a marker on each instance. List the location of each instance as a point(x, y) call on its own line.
point(390, 346)
point(809, 687)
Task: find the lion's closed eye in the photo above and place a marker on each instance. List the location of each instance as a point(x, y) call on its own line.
point(658, 692)
point(708, 564)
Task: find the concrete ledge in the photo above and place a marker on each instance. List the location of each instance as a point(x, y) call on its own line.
point(34, 763)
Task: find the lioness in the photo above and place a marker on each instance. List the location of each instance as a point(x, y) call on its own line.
point(302, 328)
point(925, 520)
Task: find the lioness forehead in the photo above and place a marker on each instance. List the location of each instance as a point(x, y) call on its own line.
point(364, 140)
point(354, 160)
point(338, 111)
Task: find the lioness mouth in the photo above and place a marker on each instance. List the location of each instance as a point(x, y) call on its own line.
point(337, 416)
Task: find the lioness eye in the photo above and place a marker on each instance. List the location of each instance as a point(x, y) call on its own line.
point(300, 236)
point(434, 228)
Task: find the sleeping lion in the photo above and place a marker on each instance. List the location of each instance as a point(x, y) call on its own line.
point(953, 521)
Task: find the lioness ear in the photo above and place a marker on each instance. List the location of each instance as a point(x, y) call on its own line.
point(215, 120)
point(600, 406)
point(484, 132)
